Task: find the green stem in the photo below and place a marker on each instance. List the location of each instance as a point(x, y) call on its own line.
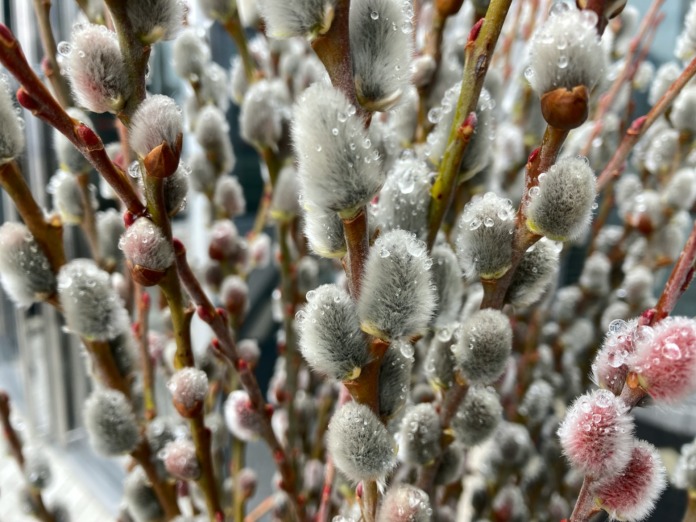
point(233, 26)
point(479, 50)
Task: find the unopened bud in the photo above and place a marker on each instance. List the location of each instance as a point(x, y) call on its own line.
point(110, 422)
point(189, 388)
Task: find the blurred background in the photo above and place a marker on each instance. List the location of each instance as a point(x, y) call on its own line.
point(42, 367)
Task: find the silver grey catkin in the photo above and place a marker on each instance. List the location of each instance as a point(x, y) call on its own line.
point(420, 435)
point(339, 168)
point(110, 422)
point(25, 272)
point(380, 45)
point(360, 445)
point(478, 416)
point(330, 337)
point(397, 297)
point(484, 346)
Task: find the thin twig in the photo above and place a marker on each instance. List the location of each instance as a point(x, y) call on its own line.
point(48, 232)
point(142, 300)
point(15, 446)
point(34, 96)
point(227, 349)
point(479, 50)
point(640, 125)
point(42, 8)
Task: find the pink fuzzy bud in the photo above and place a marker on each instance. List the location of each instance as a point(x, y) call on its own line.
point(609, 368)
point(224, 240)
point(631, 495)
point(235, 296)
point(240, 416)
point(248, 481)
point(597, 434)
point(157, 120)
point(180, 459)
point(249, 351)
point(189, 388)
point(147, 251)
point(666, 361)
point(405, 503)
point(95, 67)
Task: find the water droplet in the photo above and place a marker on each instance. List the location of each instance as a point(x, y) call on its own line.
point(64, 49)
point(334, 131)
point(318, 148)
point(342, 117)
point(434, 115)
point(488, 222)
point(383, 252)
point(407, 350)
point(671, 351)
point(374, 15)
point(474, 224)
point(406, 183)
point(367, 143)
point(563, 61)
point(534, 191)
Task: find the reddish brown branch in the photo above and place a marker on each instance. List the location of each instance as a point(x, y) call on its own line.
point(15, 446)
point(642, 124)
point(34, 96)
point(42, 8)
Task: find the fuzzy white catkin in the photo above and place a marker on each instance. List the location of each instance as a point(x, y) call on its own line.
point(241, 419)
point(562, 207)
point(680, 192)
point(285, 204)
point(140, 497)
point(213, 86)
point(11, 132)
point(96, 69)
point(420, 435)
point(359, 443)
point(478, 416)
point(566, 51)
point(447, 278)
point(220, 10)
point(534, 274)
point(395, 378)
point(202, 175)
point(664, 77)
point(330, 337)
point(69, 158)
point(265, 106)
point(25, 272)
point(190, 54)
point(91, 307)
point(339, 168)
point(405, 503)
point(397, 297)
point(683, 113)
point(484, 345)
point(110, 422)
point(67, 199)
point(286, 18)
point(156, 120)
point(153, 20)
point(484, 236)
point(324, 232)
point(212, 132)
point(229, 196)
point(176, 189)
point(405, 197)
point(685, 47)
point(144, 245)
point(110, 227)
point(381, 48)
point(189, 387)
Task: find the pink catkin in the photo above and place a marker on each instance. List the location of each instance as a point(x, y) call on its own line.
point(597, 434)
point(609, 368)
point(666, 361)
point(631, 495)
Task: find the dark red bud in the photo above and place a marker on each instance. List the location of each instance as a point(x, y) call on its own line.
point(179, 247)
point(6, 37)
point(27, 101)
point(129, 218)
point(88, 137)
point(475, 30)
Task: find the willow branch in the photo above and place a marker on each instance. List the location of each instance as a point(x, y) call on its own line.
point(233, 26)
point(48, 232)
point(15, 446)
point(227, 349)
point(42, 8)
point(640, 125)
point(34, 96)
point(479, 50)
